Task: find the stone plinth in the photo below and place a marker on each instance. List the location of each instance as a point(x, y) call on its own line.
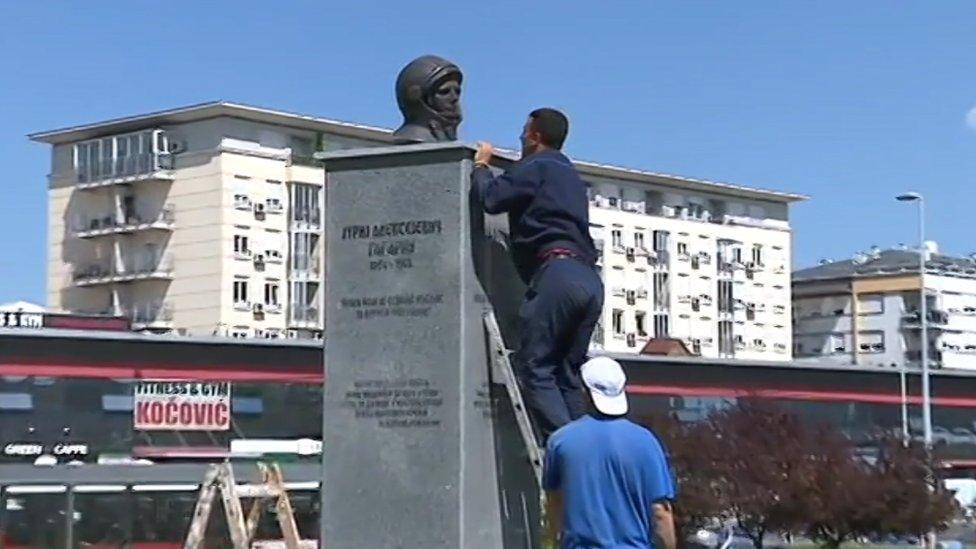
point(420, 449)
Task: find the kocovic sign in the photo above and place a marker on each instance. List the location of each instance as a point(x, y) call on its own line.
point(181, 406)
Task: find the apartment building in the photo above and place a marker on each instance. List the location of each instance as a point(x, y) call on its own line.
point(865, 310)
point(208, 220)
point(205, 219)
point(703, 262)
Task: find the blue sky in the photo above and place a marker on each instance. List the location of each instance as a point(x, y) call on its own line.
point(848, 102)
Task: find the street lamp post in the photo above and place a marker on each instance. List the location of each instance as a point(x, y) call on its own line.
point(923, 315)
point(902, 378)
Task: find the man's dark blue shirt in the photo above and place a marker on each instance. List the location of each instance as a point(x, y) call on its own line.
point(547, 208)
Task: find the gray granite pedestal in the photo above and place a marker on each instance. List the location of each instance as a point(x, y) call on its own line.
point(421, 450)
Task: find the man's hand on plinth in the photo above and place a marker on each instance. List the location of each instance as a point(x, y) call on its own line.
point(483, 156)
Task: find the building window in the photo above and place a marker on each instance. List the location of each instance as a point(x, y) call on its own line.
point(870, 304)
point(661, 239)
point(618, 322)
point(757, 255)
point(696, 346)
point(725, 296)
point(617, 238)
point(242, 201)
point(662, 293)
point(241, 245)
point(639, 240)
point(726, 344)
point(737, 255)
point(304, 252)
point(661, 325)
point(274, 205)
point(871, 342)
point(271, 293)
point(240, 292)
point(639, 317)
point(837, 344)
point(123, 155)
point(303, 303)
point(306, 204)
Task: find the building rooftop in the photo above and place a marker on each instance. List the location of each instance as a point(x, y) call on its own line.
point(887, 263)
point(215, 109)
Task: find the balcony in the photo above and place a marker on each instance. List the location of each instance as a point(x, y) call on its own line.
point(306, 219)
point(659, 258)
point(151, 316)
point(124, 170)
point(304, 316)
point(163, 220)
point(746, 221)
point(135, 267)
point(304, 267)
point(936, 319)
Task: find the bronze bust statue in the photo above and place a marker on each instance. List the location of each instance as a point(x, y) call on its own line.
point(428, 92)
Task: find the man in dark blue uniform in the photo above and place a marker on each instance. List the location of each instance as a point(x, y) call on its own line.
point(548, 215)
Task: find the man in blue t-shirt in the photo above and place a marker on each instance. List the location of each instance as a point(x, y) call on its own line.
point(607, 479)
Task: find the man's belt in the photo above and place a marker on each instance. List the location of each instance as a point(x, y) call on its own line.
point(554, 253)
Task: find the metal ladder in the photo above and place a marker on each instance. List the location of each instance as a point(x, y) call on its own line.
point(502, 373)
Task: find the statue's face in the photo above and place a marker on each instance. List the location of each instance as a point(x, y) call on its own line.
point(446, 98)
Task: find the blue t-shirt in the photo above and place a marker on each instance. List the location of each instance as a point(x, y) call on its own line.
point(610, 471)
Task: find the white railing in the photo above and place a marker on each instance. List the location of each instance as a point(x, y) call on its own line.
point(165, 217)
point(133, 265)
point(154, 312)
point(305, 314)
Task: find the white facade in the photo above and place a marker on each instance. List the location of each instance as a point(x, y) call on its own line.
point(709, 269)
point(205, 220)
point(872, 318)
point(208, 220)
point(952, 300)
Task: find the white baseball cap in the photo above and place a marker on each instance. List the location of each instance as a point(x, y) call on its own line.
point(606, 382)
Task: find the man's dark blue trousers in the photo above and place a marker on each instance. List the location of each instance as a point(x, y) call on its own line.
point(560, 310)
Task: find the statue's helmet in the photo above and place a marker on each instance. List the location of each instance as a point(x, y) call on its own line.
point(416, 85)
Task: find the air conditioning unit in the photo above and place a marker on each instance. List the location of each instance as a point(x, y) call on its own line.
point(258, 307)
point(259, 208)
point(259, 258)
point(631, 340)
point(630, 254)
point(631, 297)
